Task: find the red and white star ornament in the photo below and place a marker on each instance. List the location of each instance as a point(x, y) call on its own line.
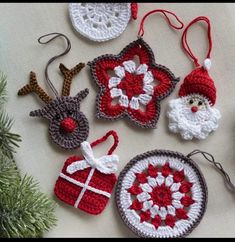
point(161, 194)
point(87, 182)
point(133, 90)
point(193, 114)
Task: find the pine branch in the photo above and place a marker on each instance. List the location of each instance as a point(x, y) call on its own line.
point(8, 140)
point(3, 93)
point(9, 175)
point(25, 211)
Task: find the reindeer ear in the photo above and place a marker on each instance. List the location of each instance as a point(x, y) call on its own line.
point(82, 94)
point(41, 113)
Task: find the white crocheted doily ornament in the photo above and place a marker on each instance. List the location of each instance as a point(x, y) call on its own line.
point(100, 21)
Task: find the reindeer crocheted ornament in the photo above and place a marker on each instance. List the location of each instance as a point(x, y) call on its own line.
point(161, 194)
point(132, 90)
point(68, 126)
point(101, 21)
point(87, 182)
point(192, 114)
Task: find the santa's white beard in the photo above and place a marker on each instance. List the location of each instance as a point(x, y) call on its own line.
point(191, 125)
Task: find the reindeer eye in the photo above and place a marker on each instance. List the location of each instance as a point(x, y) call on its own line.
point(200, 103)
point(57, 116)
point(70, 112)
point(191, 101)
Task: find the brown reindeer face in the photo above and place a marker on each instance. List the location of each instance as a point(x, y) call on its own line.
point(68, 126)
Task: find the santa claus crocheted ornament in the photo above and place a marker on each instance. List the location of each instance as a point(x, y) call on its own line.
point(131, 89)
point(68, 126)
point(161, 194)
point(87, 182)
point(193, 115)
point(101, 21)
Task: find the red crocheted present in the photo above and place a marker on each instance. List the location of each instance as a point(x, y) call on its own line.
point(87, 189)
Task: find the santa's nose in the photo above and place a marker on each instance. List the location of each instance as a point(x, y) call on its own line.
point(194, 109)
point(68, 125)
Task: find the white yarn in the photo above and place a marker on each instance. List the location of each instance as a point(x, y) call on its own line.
point(100, 21)
point(192, 125)
point(148, 79)
point(207, 64)
point(145, 227)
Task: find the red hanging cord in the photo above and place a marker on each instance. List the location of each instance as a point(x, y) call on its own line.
point(134, 10)
point(185, 43)
point(115, 137)
point(141, 29)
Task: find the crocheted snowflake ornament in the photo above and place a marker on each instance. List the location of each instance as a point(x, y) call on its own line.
point(161, 194)
point(193, 115)
point(132, 90)
point(87, 182)
point(101, 21)
point(68, 126)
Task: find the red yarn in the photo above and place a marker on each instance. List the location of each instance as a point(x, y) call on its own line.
point(91, 202)
point(166, 170)
point(68, 125)
point(181, 213)
point(135, 189)
point(199, 82)
point(145, 216)
point(170, 220)
point(152, 171)
point(141, 29)
point(156, 221)
point(141, 177)
point(185, 43)
point(162, 196)
point(134, 10)
point(136, 205)
point(187, 201)
point(185, 187)
point(178, 176)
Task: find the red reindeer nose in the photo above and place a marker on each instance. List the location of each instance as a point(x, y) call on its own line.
point(194, 109)
point(68, 125)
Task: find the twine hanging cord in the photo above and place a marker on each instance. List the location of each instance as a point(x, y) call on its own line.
point(54, 57)
point(217, 165)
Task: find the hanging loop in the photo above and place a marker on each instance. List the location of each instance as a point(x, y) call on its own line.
point(54, 57)
point(141, 29)
point(218, 166)
point(186, 47)
point(115, 138)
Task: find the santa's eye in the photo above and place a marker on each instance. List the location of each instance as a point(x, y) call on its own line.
point(200, 103)
point(191, 101)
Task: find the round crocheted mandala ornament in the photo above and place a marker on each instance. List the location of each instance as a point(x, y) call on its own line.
point(100, 21)
point(161, 194)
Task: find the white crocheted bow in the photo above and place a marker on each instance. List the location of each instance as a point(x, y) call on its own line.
point(106, 164)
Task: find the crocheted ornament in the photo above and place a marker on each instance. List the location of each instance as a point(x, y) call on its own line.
point(68, 126)
point(87, 182)
point(193, 115)
point(130, 89)
point(161, 194)
point(101, 21)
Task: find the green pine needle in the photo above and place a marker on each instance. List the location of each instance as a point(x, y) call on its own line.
point(3, 84)
point(8, 140)
point(25, 212)
point(9, 175)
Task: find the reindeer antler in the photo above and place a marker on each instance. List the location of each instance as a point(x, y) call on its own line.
point(34, 87)
point(68, 76)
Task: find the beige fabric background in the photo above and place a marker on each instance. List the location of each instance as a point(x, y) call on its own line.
point(21, 25)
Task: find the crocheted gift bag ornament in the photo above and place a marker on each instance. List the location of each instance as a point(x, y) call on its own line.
point(87, 182)
point(161, 194)
point(193, 115)
point(101, 21)
point(133, 90)
point(68, 126)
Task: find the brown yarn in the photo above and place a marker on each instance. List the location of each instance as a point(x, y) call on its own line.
point(68, 75)
point(34, 87)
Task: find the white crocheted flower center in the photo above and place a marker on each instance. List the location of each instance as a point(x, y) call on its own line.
point(100, 21)
point(191, 123)
point(133, 86)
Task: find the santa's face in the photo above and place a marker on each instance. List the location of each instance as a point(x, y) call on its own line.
point(192, 117)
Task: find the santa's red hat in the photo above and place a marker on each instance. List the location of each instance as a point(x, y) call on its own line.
point(199, 82)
